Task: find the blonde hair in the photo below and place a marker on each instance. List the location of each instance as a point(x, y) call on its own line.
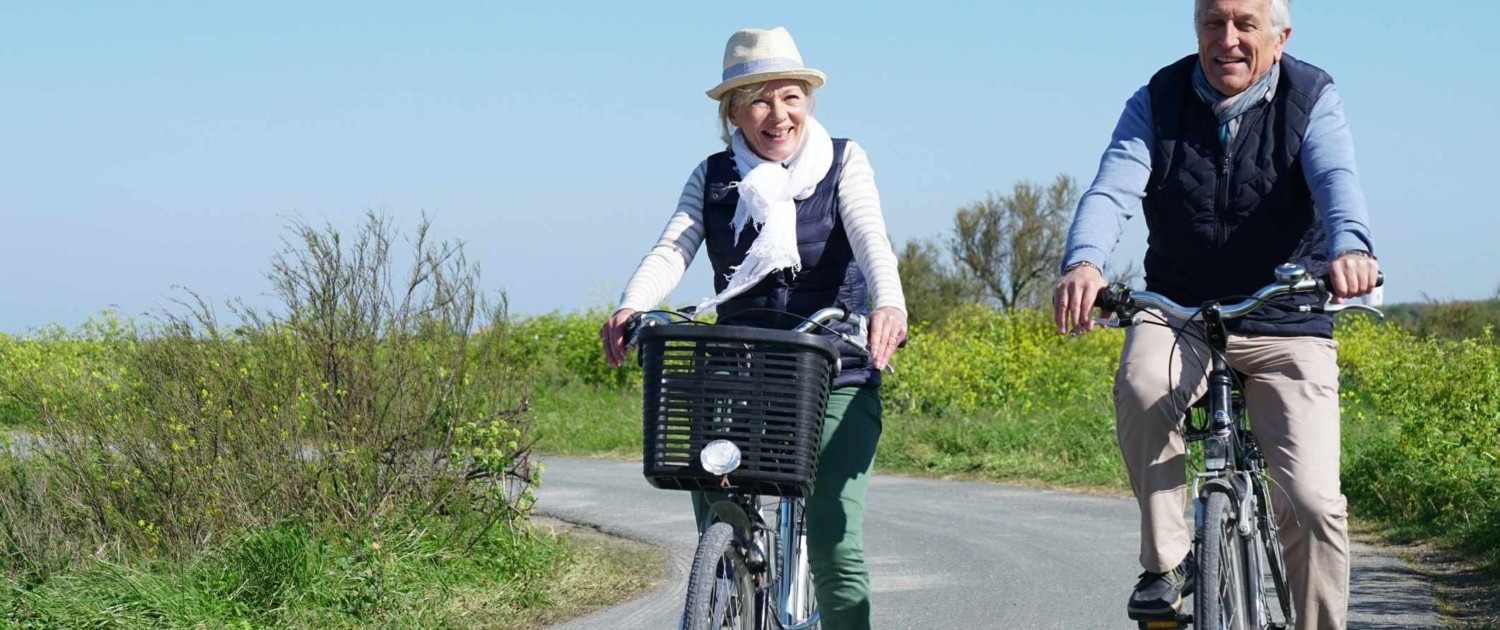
point(741, 97)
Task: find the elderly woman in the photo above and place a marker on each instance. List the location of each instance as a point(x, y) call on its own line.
point(792, 222)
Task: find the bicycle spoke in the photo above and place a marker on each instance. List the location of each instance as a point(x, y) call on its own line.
point(723, 589)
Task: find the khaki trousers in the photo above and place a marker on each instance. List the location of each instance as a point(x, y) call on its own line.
point(1292, 395)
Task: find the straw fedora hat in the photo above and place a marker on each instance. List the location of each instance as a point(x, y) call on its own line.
point(754, 55)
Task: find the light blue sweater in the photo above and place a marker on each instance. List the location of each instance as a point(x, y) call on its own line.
point(1115, 196)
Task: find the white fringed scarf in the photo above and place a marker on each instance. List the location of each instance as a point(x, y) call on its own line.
point(769, 192)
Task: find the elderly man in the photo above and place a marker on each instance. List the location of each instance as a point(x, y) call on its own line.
point(1241, 159)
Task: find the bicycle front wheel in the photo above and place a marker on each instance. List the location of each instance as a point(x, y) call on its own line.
point(720, 595)
point(1219, 597)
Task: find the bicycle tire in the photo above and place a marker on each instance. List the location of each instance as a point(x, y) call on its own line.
point(1219, 596)
point(1270, 540)
point(719, 595)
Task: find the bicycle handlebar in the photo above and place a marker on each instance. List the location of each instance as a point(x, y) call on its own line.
point(1290, 279)
point(860, 340)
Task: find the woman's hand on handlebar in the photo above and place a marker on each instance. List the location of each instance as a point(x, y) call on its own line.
point(612, 334)
point(1073, 299)
point(1353, 275)
point(887, 331)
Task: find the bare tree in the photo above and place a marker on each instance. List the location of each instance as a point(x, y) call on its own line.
point(931, 285)
point(1128, 275)
point(1012, 244)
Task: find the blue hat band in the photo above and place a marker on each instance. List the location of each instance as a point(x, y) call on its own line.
point(754, 66)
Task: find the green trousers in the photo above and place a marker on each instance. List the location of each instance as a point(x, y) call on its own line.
point(836, 509)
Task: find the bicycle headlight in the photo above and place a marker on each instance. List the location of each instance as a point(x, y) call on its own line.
point(720, 457)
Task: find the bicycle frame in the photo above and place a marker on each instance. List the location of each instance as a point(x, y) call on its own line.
point(1232, 465)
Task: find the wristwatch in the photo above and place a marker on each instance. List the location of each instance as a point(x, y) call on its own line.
point(1082, 263)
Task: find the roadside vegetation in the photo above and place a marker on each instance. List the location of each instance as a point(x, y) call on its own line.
point(360, 454)
point(357, 456)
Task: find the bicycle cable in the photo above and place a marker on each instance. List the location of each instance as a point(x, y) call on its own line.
point(1185, 329)
point(1177, 334)
point(805, 320)
point(1192, 333)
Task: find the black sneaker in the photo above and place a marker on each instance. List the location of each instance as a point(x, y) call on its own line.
point(1159, 595)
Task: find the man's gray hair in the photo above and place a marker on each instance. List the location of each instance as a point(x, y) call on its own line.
point(1281, 13)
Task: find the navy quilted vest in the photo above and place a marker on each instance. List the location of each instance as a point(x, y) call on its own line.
point(1219, 220)
point(829, 276)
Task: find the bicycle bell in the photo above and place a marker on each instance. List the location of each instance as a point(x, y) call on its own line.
point(1290, 273)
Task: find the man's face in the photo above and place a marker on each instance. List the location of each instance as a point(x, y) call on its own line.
point(1237, 43)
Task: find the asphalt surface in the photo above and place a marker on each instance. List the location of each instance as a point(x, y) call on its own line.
point(949, 554)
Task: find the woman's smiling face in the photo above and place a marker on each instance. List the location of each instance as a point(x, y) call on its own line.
point(772, 123)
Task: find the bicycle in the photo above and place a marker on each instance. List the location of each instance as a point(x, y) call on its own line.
point(1241, 580)
point(739, 411)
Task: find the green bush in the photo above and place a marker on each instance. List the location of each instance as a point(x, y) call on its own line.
point(1437, 466)
point(564, 348)
point(981, 359)
point(1454, 320)
point(365, 395)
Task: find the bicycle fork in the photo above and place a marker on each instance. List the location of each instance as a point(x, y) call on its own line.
point(786, 580)
point(797, 610)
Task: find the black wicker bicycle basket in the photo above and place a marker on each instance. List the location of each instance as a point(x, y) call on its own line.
point(764, 390)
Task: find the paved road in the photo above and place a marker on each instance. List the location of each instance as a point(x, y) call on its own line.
point(949, 554)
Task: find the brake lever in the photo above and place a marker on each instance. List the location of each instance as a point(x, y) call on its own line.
point(1331, 309)
point(1114, 321)
point(861, 344)
point(627, 332)
point(861, 341)
point(634, 324)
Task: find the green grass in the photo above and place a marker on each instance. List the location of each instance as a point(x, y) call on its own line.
point(1072, 451)
point(1077, 450)
point(588, 420)
point(291, 577)
point(604, 571)
point(1071, 448)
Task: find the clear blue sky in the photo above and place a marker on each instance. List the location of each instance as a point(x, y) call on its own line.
point(165, 144)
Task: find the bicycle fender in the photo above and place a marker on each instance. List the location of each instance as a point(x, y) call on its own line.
point(1217, 484)
point(730, 512)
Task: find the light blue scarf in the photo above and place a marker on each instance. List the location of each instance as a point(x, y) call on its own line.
point(1229, 109)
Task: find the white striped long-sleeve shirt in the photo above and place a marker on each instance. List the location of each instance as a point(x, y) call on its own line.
point(858, 204)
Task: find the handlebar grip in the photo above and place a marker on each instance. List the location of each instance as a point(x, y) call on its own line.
point(1112, 297)
point(632, 325)
point(1325, 282)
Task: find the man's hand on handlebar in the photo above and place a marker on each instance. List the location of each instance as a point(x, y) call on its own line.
point(612, 335)
point(887, 331)
point(1353, 274)
point(1073, 299)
